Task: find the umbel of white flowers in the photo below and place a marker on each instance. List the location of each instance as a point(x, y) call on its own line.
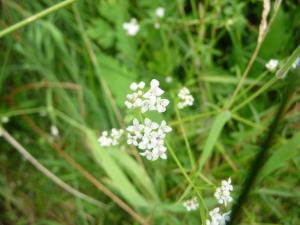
point(132, 27)
point(222, 195)
point(186, 99)
point(191, 204)
point(217, 218)
point(272, 65)
point(149, 137)
point(146, 101)
point(113, 139)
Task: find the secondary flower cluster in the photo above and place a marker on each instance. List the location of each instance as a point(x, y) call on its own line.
point(191, 204)
point(186, 99)
point(217, 218)
point(132, 27)
point(223, 196)
point(149, 137)
point(223, 192)
point(149, 101)
point(272, 65)
point(113, 139)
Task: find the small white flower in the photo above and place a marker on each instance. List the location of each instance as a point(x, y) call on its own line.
point(191, 205)
point(272, 65)
point(169, 79)
point(154, 91)
point(54, 131)
point(186, 99)
point(164, 127)
point(132, 27)
point(160, 12)
point(157, 25)
point(113, 139)
point(216, 218)
point(222, 193)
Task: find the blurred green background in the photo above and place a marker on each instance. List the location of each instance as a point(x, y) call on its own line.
point(72, 70)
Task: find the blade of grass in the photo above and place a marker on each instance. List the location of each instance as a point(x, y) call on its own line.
point(35, 17)
point(262, 155)
point(11, 140)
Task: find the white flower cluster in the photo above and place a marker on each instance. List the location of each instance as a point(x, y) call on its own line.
point(113, 139)
point(149, 137)
point(217, 218)
point(191, 205)
point(149, 101)
point(222, 195)
point(160, 12)
point(223, 192)
point(272, 65)
point(132, 27)
point(186, 98)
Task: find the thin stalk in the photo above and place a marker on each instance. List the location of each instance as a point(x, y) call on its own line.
point(256, 94)
point(35, 17)
point(186, 141)
point(182, 170)
point(262, 155)
point(11, 140)
point(261, 37)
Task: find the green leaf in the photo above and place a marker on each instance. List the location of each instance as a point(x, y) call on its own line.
point(213, 136)
point(281, 156)
point(119, 179)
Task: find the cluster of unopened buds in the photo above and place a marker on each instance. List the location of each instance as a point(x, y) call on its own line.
point(186, 99)
point(149, 137)
point(113, 139)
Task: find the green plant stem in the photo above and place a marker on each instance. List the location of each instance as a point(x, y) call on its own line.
point(187, 143)
point(262, 155)
point(13, 142)
point(261, 38)
point(35, 17)
point(203, 205)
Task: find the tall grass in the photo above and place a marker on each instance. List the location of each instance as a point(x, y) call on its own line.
point(69, 64)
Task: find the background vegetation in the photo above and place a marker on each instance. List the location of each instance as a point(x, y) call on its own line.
point(72, 69)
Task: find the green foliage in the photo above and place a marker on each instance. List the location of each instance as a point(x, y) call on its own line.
point(72, 69)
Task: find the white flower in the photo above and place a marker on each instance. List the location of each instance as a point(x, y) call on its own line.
point(132, 27)
point(149, 137)
point(161, 104)
point(156, 25)
point(169, 79)
point(222, 193)
point(154, 91)
point(296, 63)
point(216, 218)
point(149, 101)
point(113, 139)
point(160, 12)
point(186, 99)
point(272, 65)
point(191, 205)
point(54, 131)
